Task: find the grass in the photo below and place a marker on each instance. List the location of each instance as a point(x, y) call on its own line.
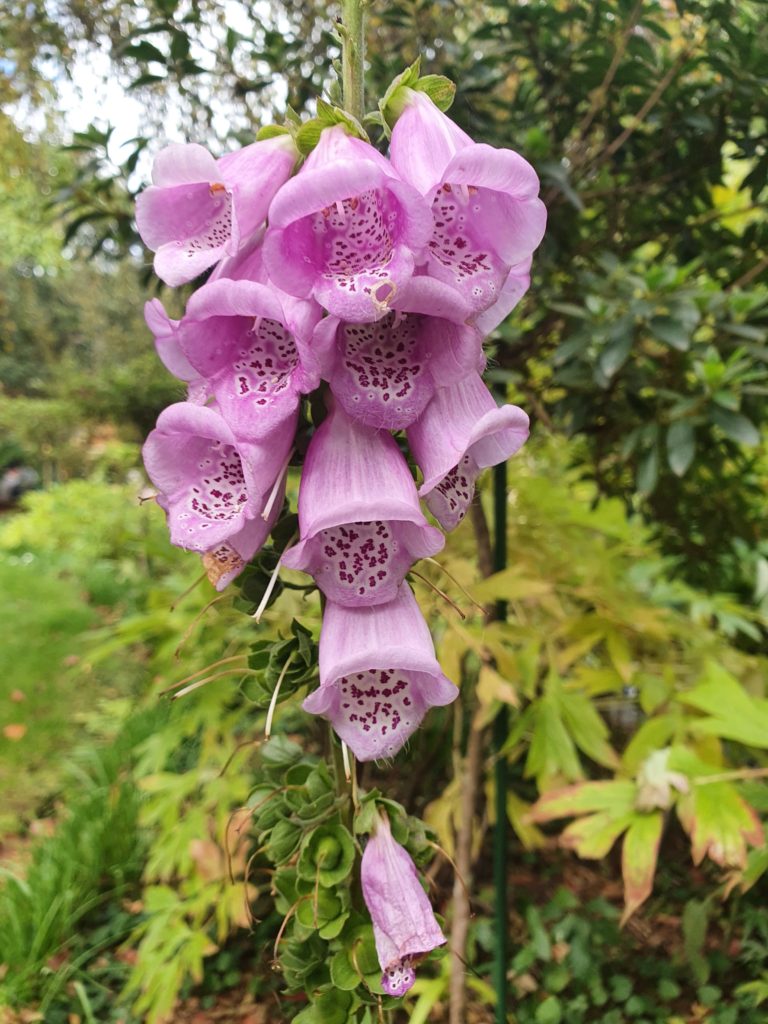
point(43, 617)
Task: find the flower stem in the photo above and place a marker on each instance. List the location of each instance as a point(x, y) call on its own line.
point(344, 789)
point(353, 56)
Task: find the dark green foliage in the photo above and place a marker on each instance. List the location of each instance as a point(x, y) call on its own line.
point(571, 963)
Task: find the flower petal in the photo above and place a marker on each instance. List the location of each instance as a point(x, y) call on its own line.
point(424, 140)
point(378, 675)
point(165, 331)
point(462, 431)
point(183, 163)
point(404, 924)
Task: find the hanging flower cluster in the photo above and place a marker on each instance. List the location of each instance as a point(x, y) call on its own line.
point(374, 279)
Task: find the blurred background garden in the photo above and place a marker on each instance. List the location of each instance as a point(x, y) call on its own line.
point(135, 854)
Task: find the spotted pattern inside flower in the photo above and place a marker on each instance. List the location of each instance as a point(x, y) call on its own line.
point(449, 500)
point(356, 238)
point(379, 701)
point(399, 978)
point(459, 213)
point(219, 494)
point(264, 362)
point(382, 379)
point(357, 557)
point(218, 229)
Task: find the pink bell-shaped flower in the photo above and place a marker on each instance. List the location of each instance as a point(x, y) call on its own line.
point(346, 229)
point(211, 484)
point(487, 217)
point(360, 522)
point(461, 432)
point(384, 373)
point(404, 925)
point(378, 675)
point(198, 209)
point(249, 343)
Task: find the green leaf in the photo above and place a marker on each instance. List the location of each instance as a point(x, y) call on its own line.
point(720, 824)
point(616, 796)
point(648, 471)
point(587, 728)
point(681, 446)
point(143, 51)
point(653, 734)
point(332, 1006)
point(638, 859)
point(179, 46)
point(551, 754)
point(549, 1012)
point(735, 426)
point(695, 925)
point(671, 332)
point(733, 713)
point(593, 836)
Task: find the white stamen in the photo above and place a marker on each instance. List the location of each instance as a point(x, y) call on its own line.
point(276, 487)
point(345, 758)
point(340, 209)
point(267, 593)
point(256, 325)
point(398, 318)
point(273, 701)
point(463, 191)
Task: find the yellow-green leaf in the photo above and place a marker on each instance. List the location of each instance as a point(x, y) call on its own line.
point(638, 859)
point(616, 797)
point(720, 823)
point(593, 836)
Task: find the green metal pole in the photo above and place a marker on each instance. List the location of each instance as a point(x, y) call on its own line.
point(500, 731)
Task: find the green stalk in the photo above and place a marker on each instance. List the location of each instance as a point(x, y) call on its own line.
point(500, 730)
point(353, 56)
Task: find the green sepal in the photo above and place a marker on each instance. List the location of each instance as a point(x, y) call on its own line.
point(358, 959)
point(269, 658)
point(280, 753)
point(308, 135)
point(441, 91)
point(330, 1007)
point(272, 131)
point(334, 928)
point(283, 841)
point(318, 908)
point(327, 854)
